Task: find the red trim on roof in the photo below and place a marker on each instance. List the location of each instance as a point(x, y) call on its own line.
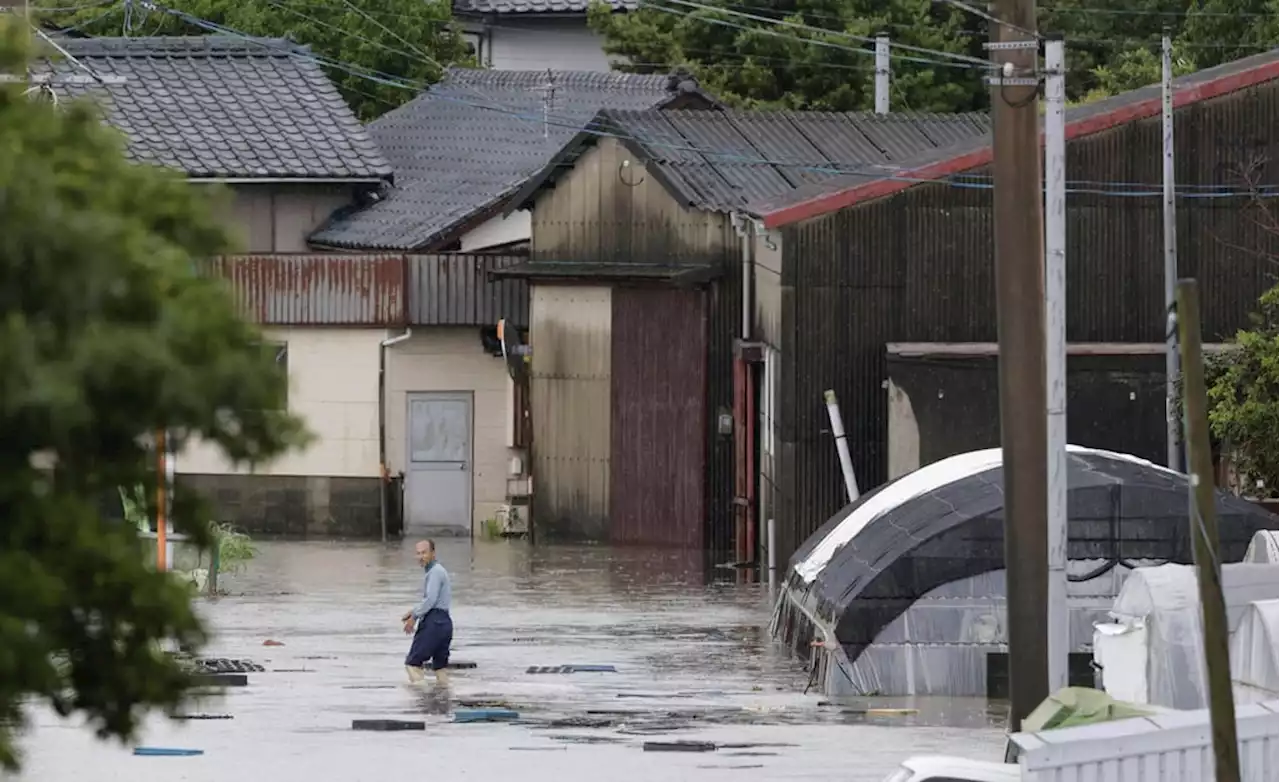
point(1192, 93)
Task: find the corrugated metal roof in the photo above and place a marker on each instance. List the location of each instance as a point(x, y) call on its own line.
point(958, 148)
point(221, 107)
point(473, 139)
point(734, 160)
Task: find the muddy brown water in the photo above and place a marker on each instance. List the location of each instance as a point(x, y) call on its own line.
point(694, 663)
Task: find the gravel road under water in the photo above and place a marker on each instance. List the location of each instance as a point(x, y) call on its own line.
point(694, 663)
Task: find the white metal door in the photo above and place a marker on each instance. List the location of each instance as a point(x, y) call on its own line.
point(438, 482)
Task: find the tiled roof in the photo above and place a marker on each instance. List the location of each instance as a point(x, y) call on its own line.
point(220, 107)
point(535, 6)
point(738, 160)
point(471, 141)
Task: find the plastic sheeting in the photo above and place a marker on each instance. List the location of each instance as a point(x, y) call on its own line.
point(1255, 653)
point(943, 524)
point(1161, 607)
point(1264, 548)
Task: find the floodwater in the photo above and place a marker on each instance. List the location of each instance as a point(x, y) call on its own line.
point(694, 663)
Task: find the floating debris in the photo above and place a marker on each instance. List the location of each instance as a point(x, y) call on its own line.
point(224, 665)
point(293, 670)
point(388, 725)
point(369, 686)
point(461, 665)
point(200, 717)
point(166, 752)
point(485, 715)
point(679, 746)
point(221, 680)
point(270, 642)
point(571, 669)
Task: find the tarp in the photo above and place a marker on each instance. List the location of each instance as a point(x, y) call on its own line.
point(1158, 610)
point(944, 523)
point(1073, 706)
point(1255, 653)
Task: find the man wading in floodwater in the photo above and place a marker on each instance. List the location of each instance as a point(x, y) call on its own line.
point(435, 627)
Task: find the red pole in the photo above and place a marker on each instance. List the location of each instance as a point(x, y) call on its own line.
point(739, 459)
point(750, 509)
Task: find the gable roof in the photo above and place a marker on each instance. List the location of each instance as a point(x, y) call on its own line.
point(728, 161)
point(1085, 120)
point(535, 7)
point(217, 107)
point(463, 147)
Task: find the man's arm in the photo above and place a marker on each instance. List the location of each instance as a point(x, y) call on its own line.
point(430, 599)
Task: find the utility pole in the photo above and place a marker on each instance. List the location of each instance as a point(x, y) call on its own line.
point(1020, 290)
point(1055, 293)
point(1203, 524)
point(1172, 434)
point(883, 68)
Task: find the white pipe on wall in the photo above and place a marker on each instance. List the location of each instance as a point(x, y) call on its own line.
point(842, 445)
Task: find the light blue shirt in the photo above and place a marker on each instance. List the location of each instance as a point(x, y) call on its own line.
point(436, 591)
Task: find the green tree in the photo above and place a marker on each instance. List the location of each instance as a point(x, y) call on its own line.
point(754, 64)
point(383, 42)
point(1243, 401)
point(107, 335)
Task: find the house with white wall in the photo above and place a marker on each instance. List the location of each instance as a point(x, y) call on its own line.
point(528, 34)
point(267, 126)
point(459, 151)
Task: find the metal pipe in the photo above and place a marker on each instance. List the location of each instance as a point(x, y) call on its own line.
point(883, 67)
point(384, 478)
point(771, 552)
point(162, 496)
point(1173, 455)
point(842, 445)
point(1055, 292)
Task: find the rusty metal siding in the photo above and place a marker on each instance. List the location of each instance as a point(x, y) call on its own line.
point(657, 487)
point(312, 289)
point(919, 266)
point(569, 390)
point(454, 289)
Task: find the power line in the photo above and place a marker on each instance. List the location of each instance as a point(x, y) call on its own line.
point(869, 171)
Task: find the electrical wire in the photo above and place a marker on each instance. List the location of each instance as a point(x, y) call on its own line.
point(936, 53)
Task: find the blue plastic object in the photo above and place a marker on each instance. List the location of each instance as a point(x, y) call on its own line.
point(166, 752)
point(485, 715)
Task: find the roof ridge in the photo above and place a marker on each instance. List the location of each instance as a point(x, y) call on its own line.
point(181, 45)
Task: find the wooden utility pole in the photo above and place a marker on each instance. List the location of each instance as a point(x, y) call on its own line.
point(1020, 311)
point(1204, 536)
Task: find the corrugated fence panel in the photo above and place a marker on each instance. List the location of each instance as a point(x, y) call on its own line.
point(454, 289)
point(657, 491)
point(569, 392)
point(309, 289)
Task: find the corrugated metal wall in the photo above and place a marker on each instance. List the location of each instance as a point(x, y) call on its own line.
point(919, 267)
point(569, 389)
point(598, 215)
point(945, 405)
point(454, 289)
point(311, 289)
point(659, 417)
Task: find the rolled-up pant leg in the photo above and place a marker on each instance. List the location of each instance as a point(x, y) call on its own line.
point(431, 640)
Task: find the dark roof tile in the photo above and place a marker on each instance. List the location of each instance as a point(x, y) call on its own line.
point(221, 107)
point(469, 142)
point(533, 7)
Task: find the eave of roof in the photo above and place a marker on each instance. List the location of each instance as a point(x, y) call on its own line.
point(1088, 120)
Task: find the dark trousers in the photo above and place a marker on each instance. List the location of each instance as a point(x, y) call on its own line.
point(431, 640)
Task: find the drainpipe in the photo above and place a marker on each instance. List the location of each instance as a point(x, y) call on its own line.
point(383, 475)
point(744, 402)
